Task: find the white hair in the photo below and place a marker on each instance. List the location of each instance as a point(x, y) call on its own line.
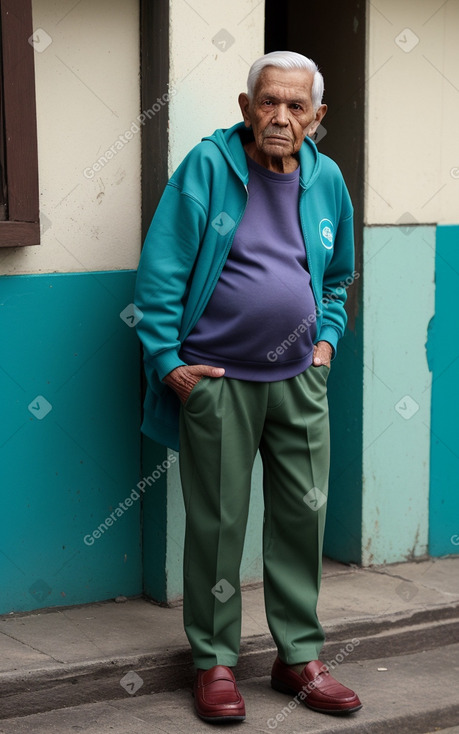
point(287, 60)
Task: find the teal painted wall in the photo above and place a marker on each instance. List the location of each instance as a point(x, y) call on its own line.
point(399, 267)
point(252, 558)
point(444, 363)
point(69, 440)
point(252, 563)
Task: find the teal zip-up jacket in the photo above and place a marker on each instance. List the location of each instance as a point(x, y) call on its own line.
point(188, 242)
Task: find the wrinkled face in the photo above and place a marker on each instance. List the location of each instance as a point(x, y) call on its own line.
point(281, 112)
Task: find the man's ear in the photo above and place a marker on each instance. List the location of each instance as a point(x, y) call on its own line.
point(320, 114)
point(244, 104)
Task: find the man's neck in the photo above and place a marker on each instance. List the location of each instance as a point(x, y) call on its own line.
point(277, 165)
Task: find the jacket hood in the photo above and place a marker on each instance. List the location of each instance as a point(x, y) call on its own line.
point(231, 141)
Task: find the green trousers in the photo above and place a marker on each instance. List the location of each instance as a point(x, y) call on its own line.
point(222, 425)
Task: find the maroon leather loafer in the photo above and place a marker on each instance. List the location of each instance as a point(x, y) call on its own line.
point(216, 695)
point(315, 686)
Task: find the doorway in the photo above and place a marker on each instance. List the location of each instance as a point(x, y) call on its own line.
point(334, 35)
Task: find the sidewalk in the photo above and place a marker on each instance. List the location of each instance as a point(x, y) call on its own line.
point(111, 651)
point(404, 695)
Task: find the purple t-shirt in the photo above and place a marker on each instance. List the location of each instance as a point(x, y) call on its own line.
point(259, 323)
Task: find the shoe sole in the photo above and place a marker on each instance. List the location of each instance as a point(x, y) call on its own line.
point(220, 719)
point(283, 688)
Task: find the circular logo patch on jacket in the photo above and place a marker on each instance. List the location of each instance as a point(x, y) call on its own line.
point(327, 233)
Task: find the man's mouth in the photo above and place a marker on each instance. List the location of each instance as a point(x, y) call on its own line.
point(277, 137)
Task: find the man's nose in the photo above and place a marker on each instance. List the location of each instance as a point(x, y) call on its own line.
point(280, 115)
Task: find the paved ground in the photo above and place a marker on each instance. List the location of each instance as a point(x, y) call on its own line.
point(405, 694)
point(116, 667)
point(105, 632)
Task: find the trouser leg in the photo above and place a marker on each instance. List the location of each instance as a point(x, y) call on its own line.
point(295, 454)
point(220, 428)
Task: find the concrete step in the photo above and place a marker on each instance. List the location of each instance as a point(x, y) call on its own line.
point(95, 680)
point(57, 658)
point(415, 693)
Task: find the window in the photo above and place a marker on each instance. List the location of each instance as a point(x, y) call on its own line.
point(19, 215)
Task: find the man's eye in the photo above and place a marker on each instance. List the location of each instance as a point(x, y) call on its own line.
point(296, 106)
point(267, 102)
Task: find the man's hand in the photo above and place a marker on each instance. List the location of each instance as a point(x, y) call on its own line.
point(183, 379)
point(323, 352)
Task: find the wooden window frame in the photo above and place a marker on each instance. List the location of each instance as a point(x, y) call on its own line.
point(22, 225)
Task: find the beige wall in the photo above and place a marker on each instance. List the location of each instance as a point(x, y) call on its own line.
point(213, 45)
point(87, 83)
point(413, 109)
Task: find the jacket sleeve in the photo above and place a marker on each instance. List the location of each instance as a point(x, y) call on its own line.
point(166, 263)
point(338, 276)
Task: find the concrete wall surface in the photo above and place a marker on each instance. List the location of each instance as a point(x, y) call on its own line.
point(87, 89)
point(412, 184)
point(399, 292)
point(443, 353)
point(69, 441)
point(70, 366)
point(412, 112)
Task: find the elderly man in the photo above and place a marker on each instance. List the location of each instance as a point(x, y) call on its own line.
point(241, 285)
